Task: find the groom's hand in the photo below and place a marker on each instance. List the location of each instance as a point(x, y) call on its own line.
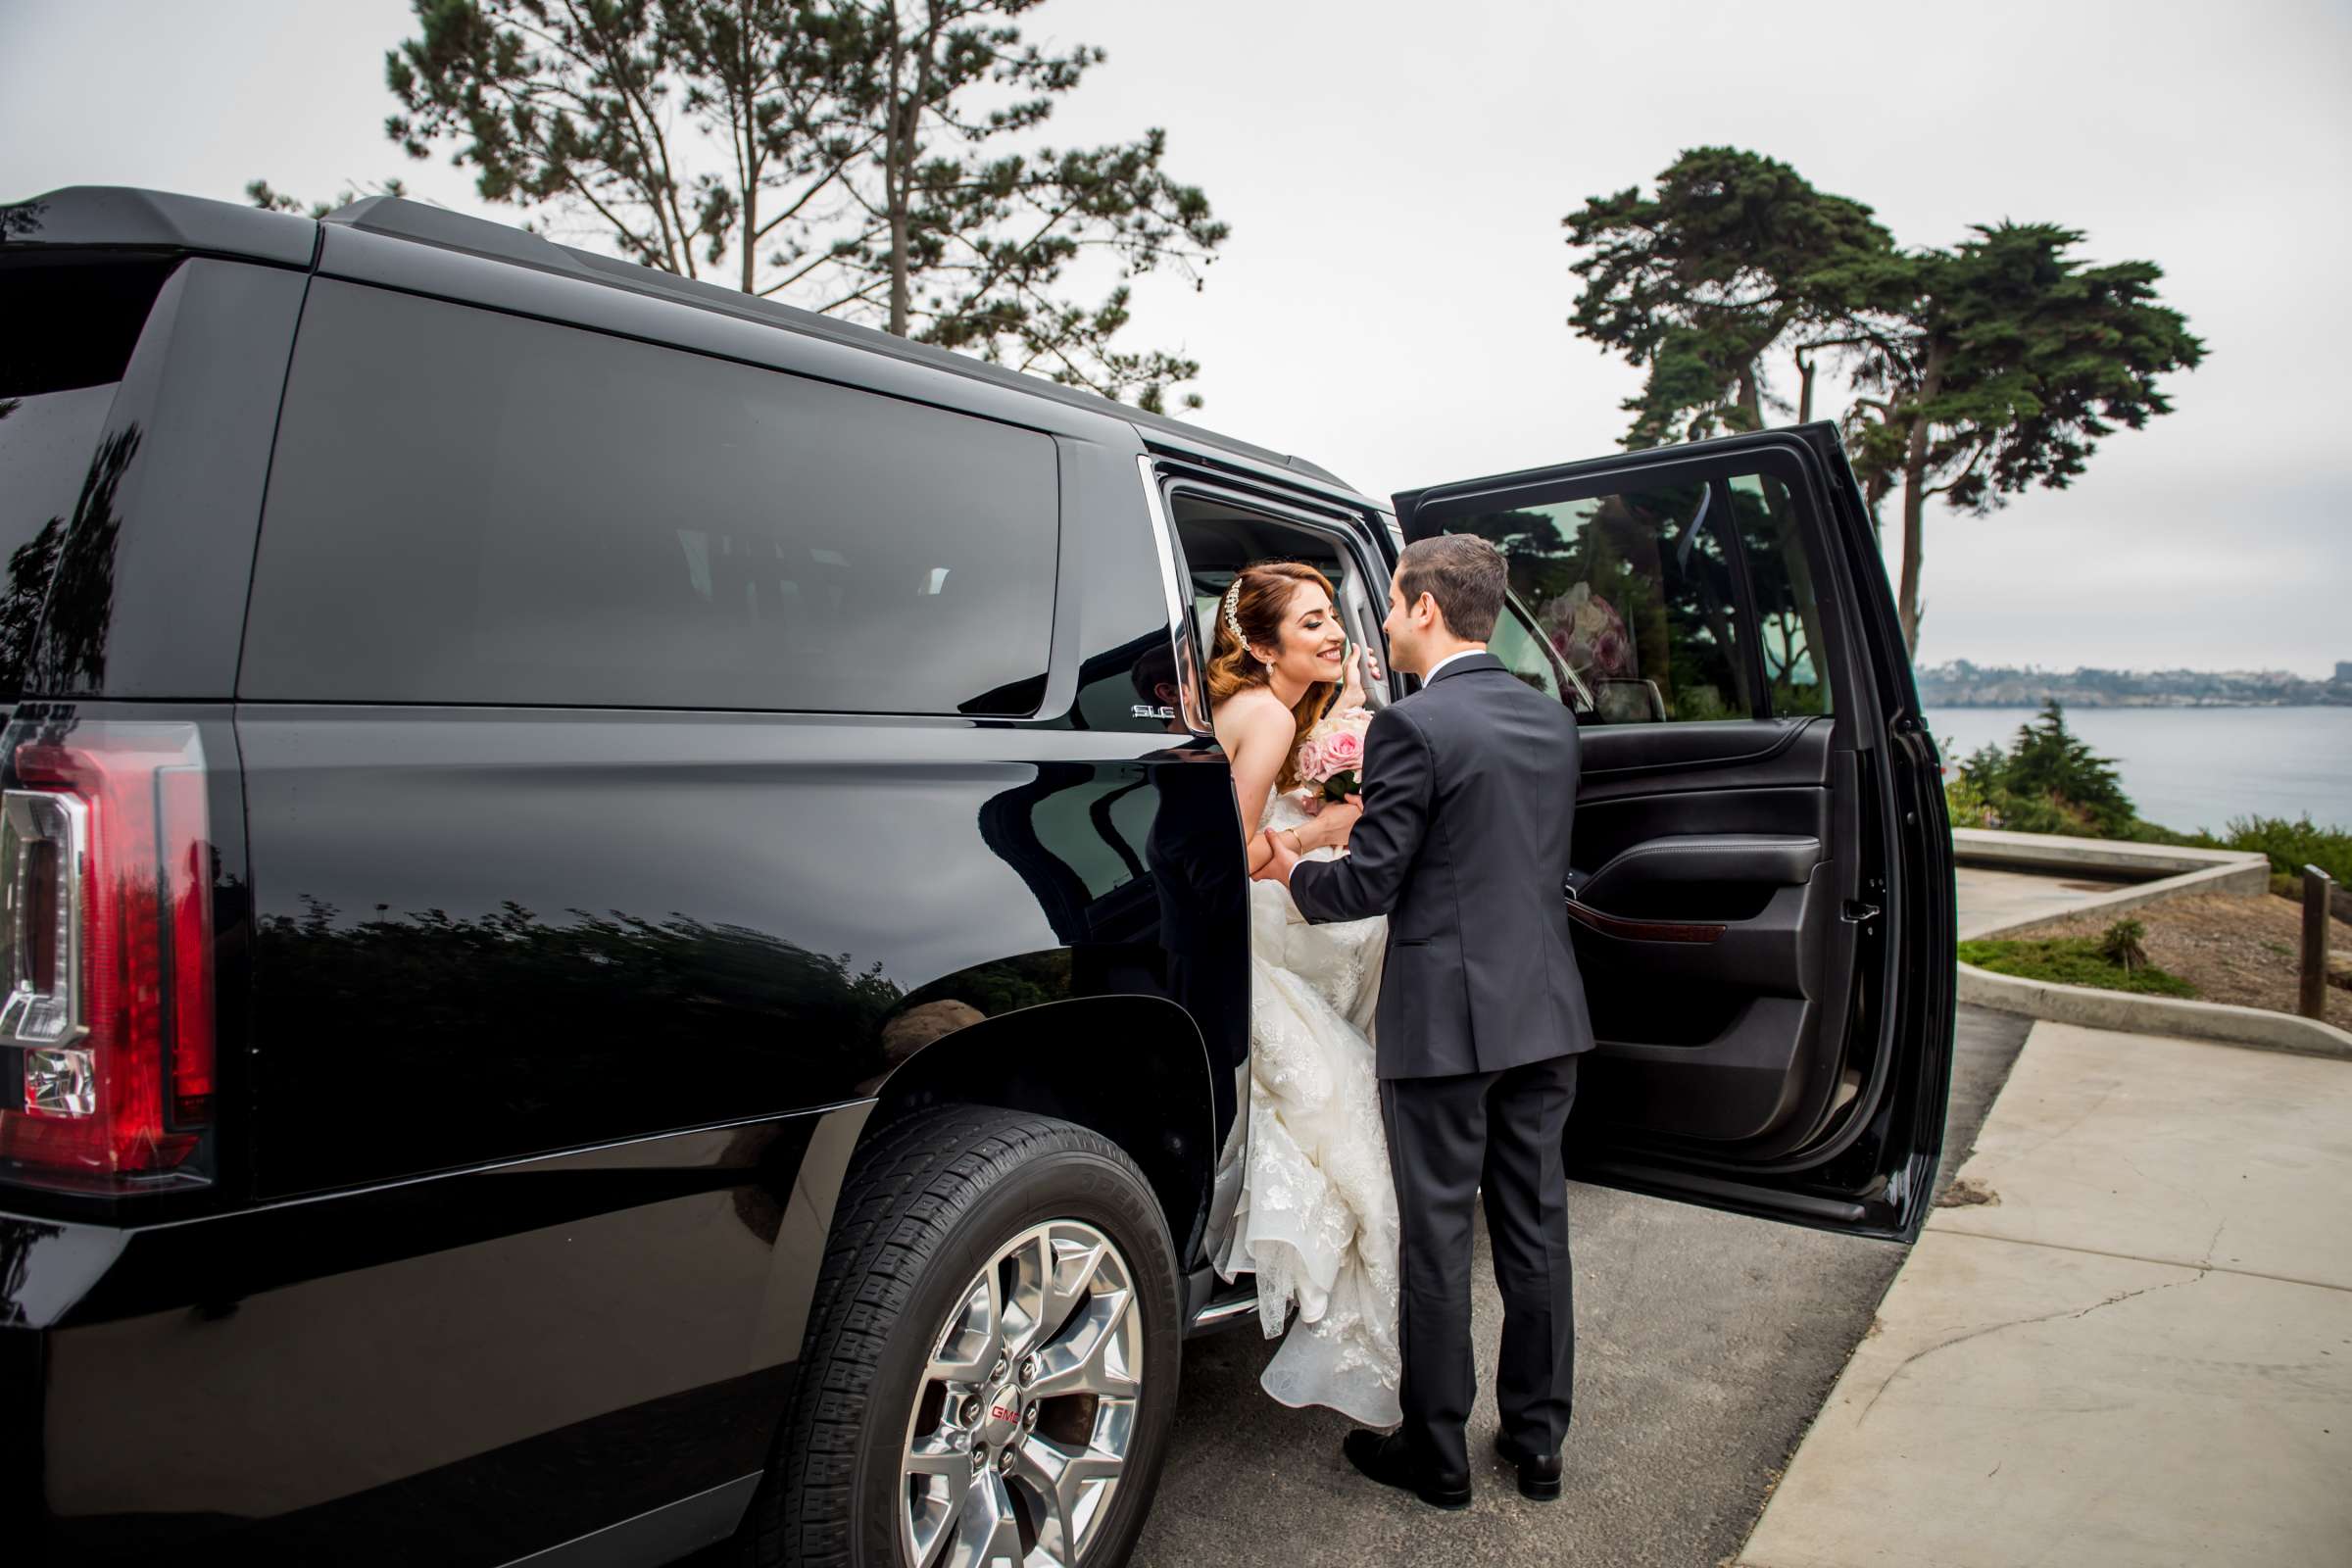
point(1277, 865)
point(1336, 822)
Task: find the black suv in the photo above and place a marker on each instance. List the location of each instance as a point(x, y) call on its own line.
point(621, 924)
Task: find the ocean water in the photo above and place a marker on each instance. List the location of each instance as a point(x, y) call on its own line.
point(2196, 768)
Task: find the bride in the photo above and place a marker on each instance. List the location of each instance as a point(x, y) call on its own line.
point(1315, 1215)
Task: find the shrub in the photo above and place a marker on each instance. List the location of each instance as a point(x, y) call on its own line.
point(2048, 763)
point(2047, 781)
point(2146, 832)
point(2293, 845)
point(1968, 805)
point(2120, 944)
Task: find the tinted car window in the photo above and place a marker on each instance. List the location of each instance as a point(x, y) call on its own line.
point(71, 327)
point(1527, 653)
point(45, 447)
point(1634, 593)
point(1787, 613)
point(72, 321)
point(468, 507)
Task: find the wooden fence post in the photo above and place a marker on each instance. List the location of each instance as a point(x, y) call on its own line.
point(2316, 884)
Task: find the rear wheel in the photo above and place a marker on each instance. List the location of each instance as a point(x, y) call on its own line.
point(992, 1363)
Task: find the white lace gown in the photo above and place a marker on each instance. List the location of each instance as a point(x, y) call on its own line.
point(1314, 1211)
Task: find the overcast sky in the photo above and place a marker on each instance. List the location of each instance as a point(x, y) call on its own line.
point(1392, 303)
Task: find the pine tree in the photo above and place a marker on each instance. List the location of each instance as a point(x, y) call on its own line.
point(1983, 370)
point(870, 159)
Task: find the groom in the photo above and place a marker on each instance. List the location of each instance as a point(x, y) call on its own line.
point(1469, 788)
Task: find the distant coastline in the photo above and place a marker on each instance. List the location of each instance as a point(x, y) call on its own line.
point(1962, 684)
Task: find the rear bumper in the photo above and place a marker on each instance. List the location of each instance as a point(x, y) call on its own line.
point(460, 1370)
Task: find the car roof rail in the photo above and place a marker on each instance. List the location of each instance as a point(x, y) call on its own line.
point(123, 217)
point(403, 218)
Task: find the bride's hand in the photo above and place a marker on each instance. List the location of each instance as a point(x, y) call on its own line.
point(1352, 690)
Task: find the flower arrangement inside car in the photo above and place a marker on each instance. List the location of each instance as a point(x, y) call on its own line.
point(1331, 759)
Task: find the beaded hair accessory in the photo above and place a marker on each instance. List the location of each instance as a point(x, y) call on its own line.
point(1233, 613)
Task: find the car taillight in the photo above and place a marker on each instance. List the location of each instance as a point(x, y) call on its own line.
point(106, 923)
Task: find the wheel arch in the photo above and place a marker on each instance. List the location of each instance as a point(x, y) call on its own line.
point(1132, 1069)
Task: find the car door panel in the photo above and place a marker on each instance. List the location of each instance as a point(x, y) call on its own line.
point(1734, 1088)
point(1700, 934)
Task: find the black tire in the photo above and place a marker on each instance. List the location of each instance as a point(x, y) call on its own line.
point(927, 1202)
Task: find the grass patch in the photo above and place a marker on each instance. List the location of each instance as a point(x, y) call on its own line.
point(2071, 962)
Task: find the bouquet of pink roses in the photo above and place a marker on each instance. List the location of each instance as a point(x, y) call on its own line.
point(1332, 757)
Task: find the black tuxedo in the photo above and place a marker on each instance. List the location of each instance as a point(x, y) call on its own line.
point(1469, 795)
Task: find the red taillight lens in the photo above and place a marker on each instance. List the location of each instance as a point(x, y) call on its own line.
point(188, 895)
point(105, 941)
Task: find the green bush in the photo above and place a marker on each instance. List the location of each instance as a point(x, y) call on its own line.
point(1968, 804)
point(2048, 765)
point(2293, 845)
point(2146, 832)
point(2120, 945)
point(2071, 962)
point(2047, 781)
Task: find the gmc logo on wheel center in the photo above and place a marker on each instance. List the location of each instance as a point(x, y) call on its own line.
point(1002, 1412)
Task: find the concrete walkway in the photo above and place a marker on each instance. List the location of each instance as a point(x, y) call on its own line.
point(1995, 900)
point(2011, 879)
point(2136, 1349)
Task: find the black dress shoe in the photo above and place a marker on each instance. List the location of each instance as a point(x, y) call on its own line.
point(1383, 1458)
point(1539, 1479)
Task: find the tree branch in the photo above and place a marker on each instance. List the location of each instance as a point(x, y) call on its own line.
point(1984, 449)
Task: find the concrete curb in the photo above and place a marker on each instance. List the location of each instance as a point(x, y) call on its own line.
point(2057, 852)
point(2257, 1027)
point(2175, 871)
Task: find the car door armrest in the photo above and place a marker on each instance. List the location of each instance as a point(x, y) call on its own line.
point(1784, 860)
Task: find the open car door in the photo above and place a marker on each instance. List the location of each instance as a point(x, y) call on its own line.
point(1762, 899)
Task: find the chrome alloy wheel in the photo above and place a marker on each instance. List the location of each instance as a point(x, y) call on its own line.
point(1022, 1427)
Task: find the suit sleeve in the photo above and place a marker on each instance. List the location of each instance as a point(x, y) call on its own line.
point(1400, 787)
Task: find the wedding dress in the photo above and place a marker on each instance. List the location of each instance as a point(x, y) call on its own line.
point(1315, 1213)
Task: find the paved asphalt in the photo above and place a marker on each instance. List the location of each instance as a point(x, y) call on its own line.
point(1706, 1343)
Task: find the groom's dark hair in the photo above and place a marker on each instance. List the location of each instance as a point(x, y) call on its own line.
point(1464, 575)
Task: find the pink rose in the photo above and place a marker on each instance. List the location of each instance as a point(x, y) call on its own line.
point(1343, 752)
point(1308, 762)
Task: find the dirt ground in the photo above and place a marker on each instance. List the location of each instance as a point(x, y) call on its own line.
point(2235, 948)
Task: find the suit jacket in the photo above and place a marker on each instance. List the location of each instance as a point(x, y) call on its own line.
point(1469, 796)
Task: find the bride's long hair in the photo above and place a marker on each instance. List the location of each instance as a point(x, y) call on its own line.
point(1257, 601)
